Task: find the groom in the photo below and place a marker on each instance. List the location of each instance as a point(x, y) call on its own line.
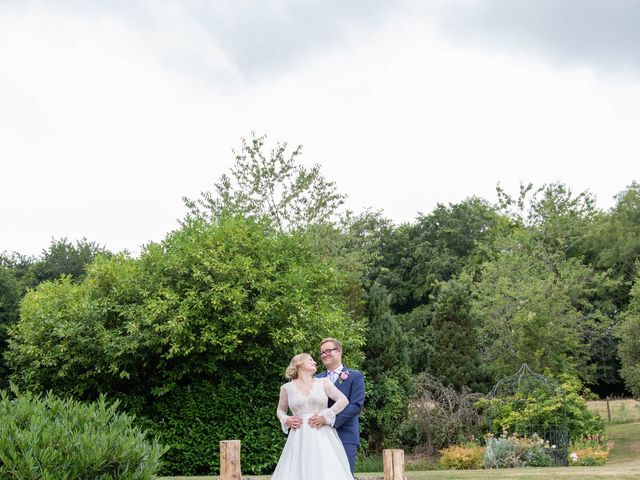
point(351, 383)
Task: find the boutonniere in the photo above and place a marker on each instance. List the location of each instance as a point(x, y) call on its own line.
point(344, 376)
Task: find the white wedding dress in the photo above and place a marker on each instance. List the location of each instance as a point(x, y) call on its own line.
point(312, 453)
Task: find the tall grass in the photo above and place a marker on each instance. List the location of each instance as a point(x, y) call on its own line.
point(624, 410)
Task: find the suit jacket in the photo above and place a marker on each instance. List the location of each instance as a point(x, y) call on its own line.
point(347, 423)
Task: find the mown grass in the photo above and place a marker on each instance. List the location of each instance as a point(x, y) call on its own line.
point(623, 464)
point(626, 438)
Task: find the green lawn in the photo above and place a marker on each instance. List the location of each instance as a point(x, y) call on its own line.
point(624, 463)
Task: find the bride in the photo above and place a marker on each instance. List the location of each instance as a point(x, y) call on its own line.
point(310, 453)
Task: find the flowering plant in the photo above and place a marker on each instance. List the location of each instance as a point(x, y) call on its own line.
point(590, 450)
point(344, 375)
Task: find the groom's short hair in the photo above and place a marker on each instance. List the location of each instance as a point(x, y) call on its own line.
point(331, 339)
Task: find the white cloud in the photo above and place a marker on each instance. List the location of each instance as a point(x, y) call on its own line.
point(106, 122)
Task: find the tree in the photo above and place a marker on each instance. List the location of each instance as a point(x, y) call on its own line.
point(615, 242)
point(454, 354)
point(208, 294)
point(386, 346)
point(365, 240)
point(9, 297)
point(558, 217)
point(10, 293)
point(436, 248)
point(64, 258)
point(566, 226)
point(562, 218)
point(416, 326)
point(20, 265)
point(523, 301)
point(215, 308)
point(387, 372)
point(628, 332)
point(276, 186)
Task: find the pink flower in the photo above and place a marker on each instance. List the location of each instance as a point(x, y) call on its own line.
point(344, 375)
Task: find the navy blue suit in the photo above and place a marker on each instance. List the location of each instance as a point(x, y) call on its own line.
point(347, 423)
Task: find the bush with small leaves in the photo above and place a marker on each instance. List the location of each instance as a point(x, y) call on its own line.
point(501, 452)
point(515, 451)
point(44, 437)
point(562, 404)
point(462, 457)
point(537, 454)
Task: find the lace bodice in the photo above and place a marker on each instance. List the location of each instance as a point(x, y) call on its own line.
point(314, 402)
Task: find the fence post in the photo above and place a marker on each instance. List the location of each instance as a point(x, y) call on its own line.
point(230, 460)
point(393, 464)
point(608, 409)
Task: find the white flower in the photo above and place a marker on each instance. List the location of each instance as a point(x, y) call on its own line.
point(573, 457)
point(553, 446)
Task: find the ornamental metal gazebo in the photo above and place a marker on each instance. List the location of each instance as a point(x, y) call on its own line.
point(520, 390)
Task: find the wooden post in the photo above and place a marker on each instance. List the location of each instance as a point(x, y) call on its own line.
point(398, 465)
point(387, 464)
point(230, 460)
point(608, 409)
point(393, 464)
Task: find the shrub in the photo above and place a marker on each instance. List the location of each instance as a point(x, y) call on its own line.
point(588, 457)
point(55, 439)
point(513, 451)
point(440, 416)
point(536, 454)
point(562, 404)
point(462, 457)
point(192, 419)
point(500, 453)
point(386, 408)
point(590, 450)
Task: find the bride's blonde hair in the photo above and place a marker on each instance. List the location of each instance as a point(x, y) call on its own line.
point(291, 373)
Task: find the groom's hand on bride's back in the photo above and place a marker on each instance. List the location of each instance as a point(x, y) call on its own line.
point(294, 422)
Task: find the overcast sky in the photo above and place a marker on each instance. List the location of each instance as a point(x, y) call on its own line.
point(112, 111)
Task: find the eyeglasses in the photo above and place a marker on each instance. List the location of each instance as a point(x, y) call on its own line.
point(327, 351)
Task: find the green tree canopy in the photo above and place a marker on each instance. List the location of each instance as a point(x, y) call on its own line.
point(216, 309)
point(523, 301)
point(454, 344)
point(614, 242)
point(65, 258)
point(436, 248)
point(629, 334)
point(387, 371)
point(564, 226)
point(274, 185)
point(208, 296)
point(10, 293)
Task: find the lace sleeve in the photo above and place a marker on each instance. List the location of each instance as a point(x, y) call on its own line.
point(336, 395)
point(283, 406)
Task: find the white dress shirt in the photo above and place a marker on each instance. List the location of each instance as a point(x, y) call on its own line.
point(333, 374)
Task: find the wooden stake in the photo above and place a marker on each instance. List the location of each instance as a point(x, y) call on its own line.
point(398, 465)
point(393, 464)
point(387, 464)
point(230, 460)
